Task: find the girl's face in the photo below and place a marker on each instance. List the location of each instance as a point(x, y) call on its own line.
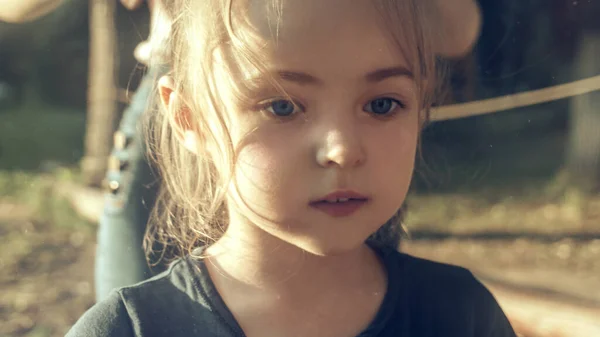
point(349, 131)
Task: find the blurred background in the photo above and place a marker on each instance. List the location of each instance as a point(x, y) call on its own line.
point(510, 190)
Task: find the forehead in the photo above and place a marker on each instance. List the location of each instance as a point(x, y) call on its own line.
point(336, 37)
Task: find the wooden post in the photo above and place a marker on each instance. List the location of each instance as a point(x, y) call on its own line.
point(102, 93)
point(584, 132)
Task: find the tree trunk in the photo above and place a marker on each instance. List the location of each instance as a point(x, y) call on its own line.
point(584, 147)
point(102, 106)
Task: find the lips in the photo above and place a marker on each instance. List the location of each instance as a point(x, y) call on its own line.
point(340, 204)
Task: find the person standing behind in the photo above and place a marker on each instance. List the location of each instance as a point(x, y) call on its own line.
point(131, 187)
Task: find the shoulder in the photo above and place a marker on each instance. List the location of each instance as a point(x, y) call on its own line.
point(106, 318)
point(140, 309)
point(439, 275)
point(438, 283)
point(451, 297)
point(426, 273)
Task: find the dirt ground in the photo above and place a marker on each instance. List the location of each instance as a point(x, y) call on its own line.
point(47, 269)
point(47, 274)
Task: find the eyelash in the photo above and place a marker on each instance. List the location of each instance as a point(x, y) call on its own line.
point(400, 105)
point(265, 105)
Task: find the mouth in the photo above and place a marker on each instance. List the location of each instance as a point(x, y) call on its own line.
point(340, 204)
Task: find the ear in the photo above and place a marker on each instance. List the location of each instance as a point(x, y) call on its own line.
point(180, 115)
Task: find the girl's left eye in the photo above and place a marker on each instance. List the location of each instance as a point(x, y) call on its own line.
point(281, 108)
point(382, 106)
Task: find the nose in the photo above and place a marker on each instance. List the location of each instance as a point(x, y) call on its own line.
point(341, 147)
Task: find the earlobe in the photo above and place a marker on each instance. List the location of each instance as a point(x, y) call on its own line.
point(165, 90)
point(180, 115)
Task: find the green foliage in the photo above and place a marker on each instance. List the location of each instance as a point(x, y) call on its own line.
point(36, 136)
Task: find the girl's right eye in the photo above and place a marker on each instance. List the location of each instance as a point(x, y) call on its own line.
point(281, 108)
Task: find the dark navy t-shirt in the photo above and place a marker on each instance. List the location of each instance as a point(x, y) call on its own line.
point(423, 299)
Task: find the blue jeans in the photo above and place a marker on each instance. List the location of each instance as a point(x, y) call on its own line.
point(132, 188)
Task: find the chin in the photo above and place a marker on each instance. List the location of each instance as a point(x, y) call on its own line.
point(334, 247)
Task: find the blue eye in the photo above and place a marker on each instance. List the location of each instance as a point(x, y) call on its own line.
point(281, 108)
point(382, 106)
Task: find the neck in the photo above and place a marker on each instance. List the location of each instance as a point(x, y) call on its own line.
point(257, 260)
point(273, 287)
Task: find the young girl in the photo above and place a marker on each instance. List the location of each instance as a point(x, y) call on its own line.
point(287, 137)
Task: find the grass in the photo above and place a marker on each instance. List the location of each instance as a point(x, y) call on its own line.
point(37, 137)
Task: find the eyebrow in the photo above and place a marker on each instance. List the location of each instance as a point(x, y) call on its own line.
point(375, 76)
point(298, 77)
point(385, 73)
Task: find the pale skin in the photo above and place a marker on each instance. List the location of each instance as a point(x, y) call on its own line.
point(461, 22)
point(282, 267)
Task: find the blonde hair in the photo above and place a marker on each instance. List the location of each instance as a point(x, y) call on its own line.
point(191, 208)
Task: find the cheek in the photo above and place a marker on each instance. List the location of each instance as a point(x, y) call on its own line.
point(397, 141)
point(257, 167)
point(266, 167)
point(394, 156)
point(403, 153)
point(255, 181)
